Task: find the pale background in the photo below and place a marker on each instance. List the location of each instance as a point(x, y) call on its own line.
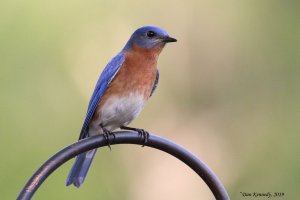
point(229, 91)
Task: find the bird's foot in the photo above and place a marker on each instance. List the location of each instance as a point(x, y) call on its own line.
point(106, 134)
point(144, 134)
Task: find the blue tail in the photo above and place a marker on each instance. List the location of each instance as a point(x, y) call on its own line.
point(80, 168)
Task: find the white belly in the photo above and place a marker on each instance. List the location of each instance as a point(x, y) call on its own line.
point(116, 112)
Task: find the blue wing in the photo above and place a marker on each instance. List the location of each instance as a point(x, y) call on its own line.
point(106, 77)
point(155, 83)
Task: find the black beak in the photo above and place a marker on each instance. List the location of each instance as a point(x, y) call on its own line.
point(169, 39)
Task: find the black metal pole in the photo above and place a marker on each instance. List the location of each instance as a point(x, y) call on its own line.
point(124, 137)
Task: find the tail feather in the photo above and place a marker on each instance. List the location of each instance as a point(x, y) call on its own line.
point(80, 168)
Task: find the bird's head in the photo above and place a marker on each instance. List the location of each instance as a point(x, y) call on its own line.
point(148, 37)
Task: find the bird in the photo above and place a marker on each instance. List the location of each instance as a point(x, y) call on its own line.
point(123, 88)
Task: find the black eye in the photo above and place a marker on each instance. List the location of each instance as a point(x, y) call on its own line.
point(151, 34)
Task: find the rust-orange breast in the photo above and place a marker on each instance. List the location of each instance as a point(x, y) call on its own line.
point(136, 75)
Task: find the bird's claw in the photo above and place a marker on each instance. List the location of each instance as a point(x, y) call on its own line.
point(106, 134)
point(144, 134)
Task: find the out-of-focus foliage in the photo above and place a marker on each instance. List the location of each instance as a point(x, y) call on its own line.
point(229, 91)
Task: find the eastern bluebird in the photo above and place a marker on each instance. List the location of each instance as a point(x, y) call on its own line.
point(121, 92)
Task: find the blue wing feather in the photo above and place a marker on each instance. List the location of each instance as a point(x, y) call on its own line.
point(105, 78)
point(155, 83)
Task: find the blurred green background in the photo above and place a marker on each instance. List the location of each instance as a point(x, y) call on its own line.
point(229, 91)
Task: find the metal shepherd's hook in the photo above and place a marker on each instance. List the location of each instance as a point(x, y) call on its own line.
point(124, 137)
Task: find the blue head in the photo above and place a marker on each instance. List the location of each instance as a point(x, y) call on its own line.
point(148, 37)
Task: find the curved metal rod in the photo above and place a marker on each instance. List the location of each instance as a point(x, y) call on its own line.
point(124, 137)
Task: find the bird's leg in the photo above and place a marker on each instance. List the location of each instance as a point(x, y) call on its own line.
point(106, 134)
point(141, 132)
